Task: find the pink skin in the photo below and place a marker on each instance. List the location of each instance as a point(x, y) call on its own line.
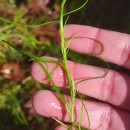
point(116, 45)
point(113, 89)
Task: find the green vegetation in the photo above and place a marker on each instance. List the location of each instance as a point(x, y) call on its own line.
point(16, 90)
point(62, 63)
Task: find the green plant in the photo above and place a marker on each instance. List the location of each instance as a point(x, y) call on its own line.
point(63, 63)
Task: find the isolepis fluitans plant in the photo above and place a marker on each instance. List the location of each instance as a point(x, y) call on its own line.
point(70, 107)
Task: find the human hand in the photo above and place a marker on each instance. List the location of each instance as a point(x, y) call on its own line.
point(114, 88)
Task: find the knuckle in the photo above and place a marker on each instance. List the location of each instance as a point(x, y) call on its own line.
point(107, 86)
point(105, 119)
point(125, 54)
point(95, 46)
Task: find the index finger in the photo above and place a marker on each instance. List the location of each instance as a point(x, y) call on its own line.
point(116, 45)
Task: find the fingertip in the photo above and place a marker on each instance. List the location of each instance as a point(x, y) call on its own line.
point(38, 102)
point(37, 73)
point(60, 128)
point(47, 104)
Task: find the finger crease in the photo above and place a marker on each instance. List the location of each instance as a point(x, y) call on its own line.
point(105, 119)
point(94, 45)
point(125, 54)
point(108, 84)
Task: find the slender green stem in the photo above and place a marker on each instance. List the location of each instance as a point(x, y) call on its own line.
point(26, 25)
point(73, 11)
point(64, 54)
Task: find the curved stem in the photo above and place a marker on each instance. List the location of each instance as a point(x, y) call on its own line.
point(77, 8)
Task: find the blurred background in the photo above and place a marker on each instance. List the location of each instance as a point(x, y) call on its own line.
point(16, 84)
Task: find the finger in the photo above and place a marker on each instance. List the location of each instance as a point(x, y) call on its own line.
point(102, 116)
point(116, 45)
point(113, 88)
